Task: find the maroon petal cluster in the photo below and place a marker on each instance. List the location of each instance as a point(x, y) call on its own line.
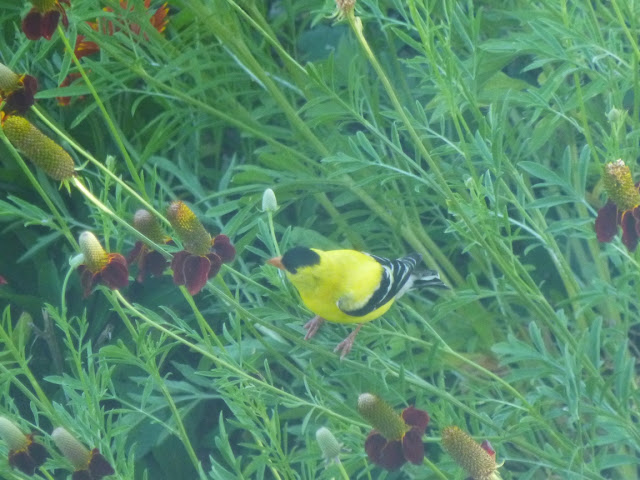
point(17, 91)
point(43, 18)
point(396, 439)
point(623, 207)
point(88, 464)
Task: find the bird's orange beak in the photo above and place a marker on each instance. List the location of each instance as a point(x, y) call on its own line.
point(276, 262)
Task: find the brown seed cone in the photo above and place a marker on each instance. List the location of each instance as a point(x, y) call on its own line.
point(37, 147)
point(469, 454)
point(382, 417)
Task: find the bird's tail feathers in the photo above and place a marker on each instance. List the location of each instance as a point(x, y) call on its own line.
point(428, 278)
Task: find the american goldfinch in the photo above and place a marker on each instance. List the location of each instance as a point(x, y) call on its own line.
point(347, 286)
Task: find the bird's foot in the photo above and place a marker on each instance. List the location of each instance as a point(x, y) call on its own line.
point(344, 347)
point(312, 326)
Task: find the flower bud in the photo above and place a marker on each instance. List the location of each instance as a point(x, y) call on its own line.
point(195, 239)
point(12, 435)
point(148, 225)
point(345, 8)
point(619, 185)
point(382, 417)
point(9, 80)
point(269, 202)
point(37, 147)
point(76, 453)
point(469, 455)
point(328, 444)
point(95, 257)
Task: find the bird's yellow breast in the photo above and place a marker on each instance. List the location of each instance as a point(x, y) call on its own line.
point(346, 277)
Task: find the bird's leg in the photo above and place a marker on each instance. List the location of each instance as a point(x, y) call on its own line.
point(345, 346)
point(312, 326)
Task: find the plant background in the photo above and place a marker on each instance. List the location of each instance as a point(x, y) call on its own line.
point(472, 132)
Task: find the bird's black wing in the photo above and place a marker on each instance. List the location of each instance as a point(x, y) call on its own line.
point(395, 275)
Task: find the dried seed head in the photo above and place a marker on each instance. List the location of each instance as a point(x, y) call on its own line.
point(37, 147)
point(345, 8)
point(12, 435)
point(95, 257)
point(195, 239)
point(76, 453)
point(469, 455)
point(619, 185)
point(328, 444)
point(148, 225)
point(269, 202)
point(382, 417)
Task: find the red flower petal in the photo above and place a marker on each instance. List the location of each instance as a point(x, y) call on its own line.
point(385, 454)
point(135, 253)
point(412, 447)
point(607, 222)
point(31, 24)
point(418, 419)
point(3, 281)
point(49, 23)
point(154, 263)
point(81, 475)
point(22, 461)
point(196, 271)
point(629, 233)
point(116, 274)
point(87, 280)
point(216, 263)
point(98, 465)
point(177, 264)
point(222, 246)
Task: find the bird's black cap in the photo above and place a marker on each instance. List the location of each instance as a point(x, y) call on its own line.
point(299, 257)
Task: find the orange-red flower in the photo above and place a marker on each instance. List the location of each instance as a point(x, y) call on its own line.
point(43, 18)
point(24, 453)
point(84, 47)
point(17, 91)
point(148, 260)
point(623, 207)
point(99, 266)
point(396, 439)
point(202, 256)
point(88, 464)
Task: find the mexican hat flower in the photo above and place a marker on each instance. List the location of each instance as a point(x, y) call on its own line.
point(479, 461)
point(37, 147)
point(16, 91)
point(110, 269)
point(622, 209)
point(24, 453)
point(202, 256)
point(43, 18)
point(396, 439)
point(88, 464)
point(148, 260)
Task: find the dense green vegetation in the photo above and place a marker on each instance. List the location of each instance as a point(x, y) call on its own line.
point(474, 133)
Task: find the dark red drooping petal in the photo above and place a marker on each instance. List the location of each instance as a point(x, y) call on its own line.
point(392, 456)
point(116, 274)
point(196, 272)
point(49, 23)
point(22, 461)
point(98, 465)
point(135, 253)
point(417, 419)
point(216, 263)
point(86, 280)
point(222, 246)
point(38, 453)
point(629, 233)
point(3, 281)
point(607, 222)
point(154, 263)
point(81, 475)
point(177, 264)
point(386, 454)
point(412, 447)
point(31, 24)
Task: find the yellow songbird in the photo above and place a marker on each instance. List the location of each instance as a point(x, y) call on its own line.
point(347, 286)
